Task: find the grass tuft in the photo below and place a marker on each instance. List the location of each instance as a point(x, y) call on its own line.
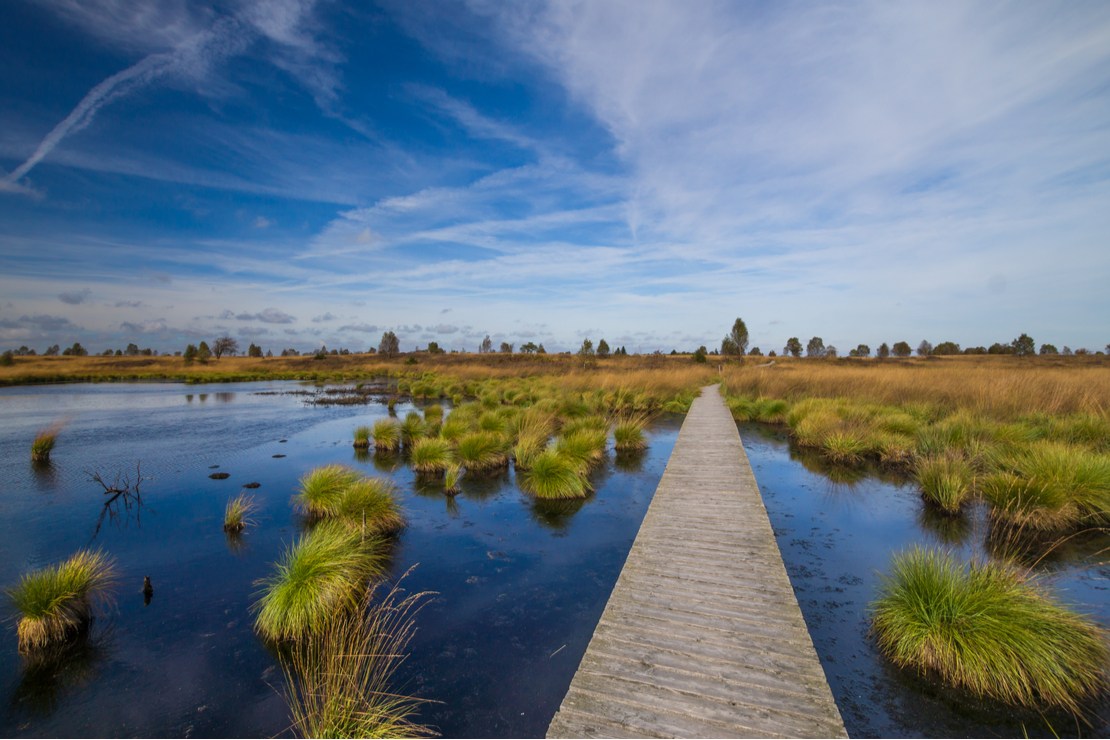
point(362, 437)
point(373, 501)
point(989, 629)
point(316, 578)
point(57, 601)
point(554, 476)
point(338, 680)
point(237, 514)
point(321, 489)
point(584, 448)
point(946, 482)
point(481, 451)
point(386, 435)
point(451, 478)
point(431, 455)
point(628, 433)
point(412, 428)
point(45, 440)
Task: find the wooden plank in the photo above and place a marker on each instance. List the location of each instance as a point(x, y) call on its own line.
point(702, 635)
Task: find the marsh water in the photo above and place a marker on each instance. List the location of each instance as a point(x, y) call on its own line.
point(518, 586)
point(837, 529)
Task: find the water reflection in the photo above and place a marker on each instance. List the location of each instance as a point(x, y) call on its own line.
point(203, 397)
point(47, 674)
point(629, 461)
point(386, 462)
point(125, 500)
point(951, 531)
point(236, 543)
point(554, 515)
point(45, 475)
point(225, 397)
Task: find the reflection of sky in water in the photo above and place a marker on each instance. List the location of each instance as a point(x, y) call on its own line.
point(514, 581)
point(835, 528)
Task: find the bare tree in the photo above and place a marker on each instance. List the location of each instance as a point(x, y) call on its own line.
point(486, 346)
point(224, 345)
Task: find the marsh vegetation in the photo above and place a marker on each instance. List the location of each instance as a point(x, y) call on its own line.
point(1031, 444)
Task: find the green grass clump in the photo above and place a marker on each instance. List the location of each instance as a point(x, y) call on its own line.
point(431, 455)
point(45, 439)
point(491, 422)
point(946, 482)
point(317, 577)
point(321, 489)
point(451, 478)
point(433, 414)
point(989, 629)
point(362, 437)
point(338, 680)
point(412, 428)
point(1048, 486)
point(844, 447)
point(56, 602)
point(373, 501)
point(237, 514)
point(527, 447)
point(481, 451)
point(453, 429)
point(554, 476)
point(386, 435)
point(628, 433)
point(584, 448)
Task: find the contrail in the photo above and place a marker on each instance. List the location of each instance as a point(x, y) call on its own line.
point(139, 74)
point(225, 38)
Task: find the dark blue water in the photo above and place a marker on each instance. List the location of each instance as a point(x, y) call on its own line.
point(836, 530)
point(520, 585)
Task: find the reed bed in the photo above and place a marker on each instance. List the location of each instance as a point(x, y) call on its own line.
point(990, 629)
point(338, 682)
point(320, 575)
point(56, 602)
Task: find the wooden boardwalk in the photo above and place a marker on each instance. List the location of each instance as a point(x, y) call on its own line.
point(702, 635)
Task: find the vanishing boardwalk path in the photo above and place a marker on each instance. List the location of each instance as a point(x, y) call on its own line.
point(702, 635)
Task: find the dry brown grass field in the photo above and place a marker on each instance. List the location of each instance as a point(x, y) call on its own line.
point(999, 386)
point(1002, 387)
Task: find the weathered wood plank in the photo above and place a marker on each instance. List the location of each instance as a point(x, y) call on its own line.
point(702, 635)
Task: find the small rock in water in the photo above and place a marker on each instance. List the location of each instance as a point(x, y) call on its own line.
point(252, 485)
point(279, 455)
point(148, 590)
point(283, 440)
point(220, 476)
point(213, 467)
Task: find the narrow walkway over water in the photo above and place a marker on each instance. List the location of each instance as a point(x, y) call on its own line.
point(702, 635)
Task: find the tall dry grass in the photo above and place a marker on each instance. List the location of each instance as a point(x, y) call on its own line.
point(998, 387)
point(652, 374)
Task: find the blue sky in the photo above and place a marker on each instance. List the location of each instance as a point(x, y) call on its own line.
point(296, 173)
